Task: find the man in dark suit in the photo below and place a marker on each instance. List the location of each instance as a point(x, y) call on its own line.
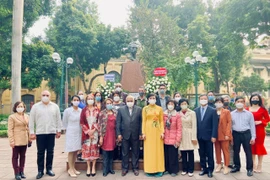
point(129, 131)
point(207, 125)
point(162, 98)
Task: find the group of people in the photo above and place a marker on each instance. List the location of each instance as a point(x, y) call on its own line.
point(165, 125)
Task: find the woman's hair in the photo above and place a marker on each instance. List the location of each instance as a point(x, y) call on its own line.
point(171, 101)
point(115, 92)
point(150, 95)
point(101, 100)
point(17, 104)
point(260, 99)
point(176, 93)
point(89, 95)
point(219, 99)
point(183, 100)
point(108, 99)
point(73, 98)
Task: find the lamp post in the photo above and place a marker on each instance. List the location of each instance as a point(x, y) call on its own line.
point(63, 64)
point(195, 61)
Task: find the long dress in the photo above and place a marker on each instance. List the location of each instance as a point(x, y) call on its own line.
point(260, 115)
point(90, 149)
point(71, 122)
point(152, 128)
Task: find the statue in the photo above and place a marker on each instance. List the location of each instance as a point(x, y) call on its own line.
point(132, 49)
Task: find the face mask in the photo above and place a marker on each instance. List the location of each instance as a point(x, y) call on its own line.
point(45, 99)
point(218, 105)
point(130, 104)
point(184, 107)
point(75, 103)
point(203, 102)
point(81, 97)
point(20, 109)
point(177, 99)
point(152, 101)
point(109, 106)
point(226, 103)
point(211, 98)
point(90, 102)
point(141, 94)
point(239, 105)
point(170, 107)
point(162, 91)
point(118, 89)
point(116, 98)
point(98, 98)
point(255, 102)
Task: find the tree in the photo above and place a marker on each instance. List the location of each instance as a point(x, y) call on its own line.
point(75, 32)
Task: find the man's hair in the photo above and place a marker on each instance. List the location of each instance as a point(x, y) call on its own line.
point(162, 85)
point(201, 95)
point(226, 96)
point(129, 96)
point(239, 97)
point(210, 92)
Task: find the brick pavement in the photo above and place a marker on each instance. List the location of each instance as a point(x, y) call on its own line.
point(59, 166)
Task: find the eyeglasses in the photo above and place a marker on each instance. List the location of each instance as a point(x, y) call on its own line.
point(45, 95)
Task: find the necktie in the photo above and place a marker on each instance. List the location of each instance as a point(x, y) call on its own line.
point(202, 113)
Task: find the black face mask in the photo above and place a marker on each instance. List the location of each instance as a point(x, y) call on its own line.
point(141, 94)
point(255, 102)
point(226, 103)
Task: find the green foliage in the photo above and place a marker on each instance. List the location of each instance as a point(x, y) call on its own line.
point(3, 117)
point(3, 133)
point(3, 126)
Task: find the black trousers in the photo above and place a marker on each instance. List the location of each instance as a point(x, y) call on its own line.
point(107, 161)
point(242, 138)
point(18, 158)
point(206, 155)
point(135, 149)
point(45, 142)
point(141, 150)
point(188, 161)
point(171, 159)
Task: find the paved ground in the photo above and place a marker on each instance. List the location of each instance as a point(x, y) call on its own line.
point(59, 167)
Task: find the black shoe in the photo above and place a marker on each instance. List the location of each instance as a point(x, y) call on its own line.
point(88, 175)
point(235, 169)
point(50, 173)
point(17, 177)
point(112, 172)
point(39, 175)
point(93, 174)
point(210, 174)
point(231, 166)
point(203, 173)
point(249, 173)
point(105, 174)
point(79, 157)
point(22, 175)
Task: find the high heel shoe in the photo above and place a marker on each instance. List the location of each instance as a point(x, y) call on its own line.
point(226, 170)
point(88, 174)
point(72, 174)
point(218, 169)
point(76, 172)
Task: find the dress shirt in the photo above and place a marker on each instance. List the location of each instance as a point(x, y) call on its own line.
point(163, 103)
point(45, 119)
point(243, 121)
point(130, 110)
point(203, 109)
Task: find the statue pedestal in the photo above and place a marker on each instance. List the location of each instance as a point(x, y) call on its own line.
point(132, 76)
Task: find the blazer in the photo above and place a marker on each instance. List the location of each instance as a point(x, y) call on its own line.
point(208, 126)
point(129, 126)
point(225, 125)
point(174, 134)
point(167, 98)
point(18, 131)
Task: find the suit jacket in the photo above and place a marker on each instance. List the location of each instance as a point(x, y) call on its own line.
point(18, 132)
point(167, 98)
point(129, 125)
point(208, 126)
point(225, 125)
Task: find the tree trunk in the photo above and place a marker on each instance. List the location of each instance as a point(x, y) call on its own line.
point(16, 50)
point(216, 79)
point(228, 88)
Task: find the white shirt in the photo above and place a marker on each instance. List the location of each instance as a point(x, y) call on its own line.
point(45, 119)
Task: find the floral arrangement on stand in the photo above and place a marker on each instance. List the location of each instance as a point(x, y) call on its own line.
point(152, 85)
point(106, 90)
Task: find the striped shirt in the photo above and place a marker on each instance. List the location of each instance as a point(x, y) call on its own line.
point(243, 121)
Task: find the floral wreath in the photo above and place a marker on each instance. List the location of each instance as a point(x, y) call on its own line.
point(152, 85)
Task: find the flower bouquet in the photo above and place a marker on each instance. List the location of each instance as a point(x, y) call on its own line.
point(152, 85)
point(106, 90)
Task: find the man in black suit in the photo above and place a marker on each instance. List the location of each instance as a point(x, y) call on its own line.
point(129, 131)
point(162, 98)
point(207, 125)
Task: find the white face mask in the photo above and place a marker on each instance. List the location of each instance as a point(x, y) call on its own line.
point(184, 107)
point(239, 105)
point(170, 107)
point(45, 99)
point(177, 99)
point(152, 101)
point(203, 102)
point(81, 97)
point(75, 103)
point(130, 104)
point(90, 101)
point(118, 89)
point(116, 98)
point(20, 109)
point(218, 105)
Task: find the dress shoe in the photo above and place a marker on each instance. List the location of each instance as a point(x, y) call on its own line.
point(88, 175)
point(77, 172)
point(218, 169)
point(230, 166)
point(17, 177)
point(226, 170)
point(105, 174)
point(190, 174)
point(22, 175)
point(124, 173)
point(136, 172)
point(112, 172)
point(235, 169)
point(50, 173)
point(210, 174)
point(173, 174)
point(203, 173)
point(249, 173)
point(93, 174)
point(39, 175)
point(71, 173)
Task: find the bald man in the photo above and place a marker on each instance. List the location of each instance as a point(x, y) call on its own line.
point(45, 125)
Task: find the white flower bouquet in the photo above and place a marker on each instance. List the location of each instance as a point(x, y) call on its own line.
point(106, 90)
point(152, 85)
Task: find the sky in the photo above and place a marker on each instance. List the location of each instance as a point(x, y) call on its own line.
point(113, 12)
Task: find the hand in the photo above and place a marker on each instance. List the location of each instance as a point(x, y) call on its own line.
point(213, 140)
point(119, 138)
point(58, 135)
point(12, 145)
point(226, 137)
point(194, 142)
point(258, 122)
point(143, 137)
point(92, 137)
point(140, 137)
point(33, 137)
point(162, 136)
point(91, 132)
point(101, 141)
point(252, 142)
point(177, 144)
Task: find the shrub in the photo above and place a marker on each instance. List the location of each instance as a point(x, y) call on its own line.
point(3, 117)
point(3, 133)
point(3, 127)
